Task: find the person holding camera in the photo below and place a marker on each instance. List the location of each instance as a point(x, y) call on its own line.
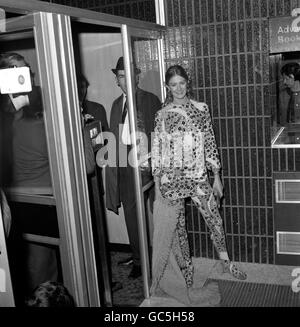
point(25, 166)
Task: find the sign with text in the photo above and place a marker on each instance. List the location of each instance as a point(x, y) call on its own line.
point(284, 34)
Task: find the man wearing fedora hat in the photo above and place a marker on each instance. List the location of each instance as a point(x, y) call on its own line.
point(120, 180)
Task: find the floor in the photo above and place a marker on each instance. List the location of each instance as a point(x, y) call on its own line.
point(240, 294)
point(131, 294)
point(266, 285)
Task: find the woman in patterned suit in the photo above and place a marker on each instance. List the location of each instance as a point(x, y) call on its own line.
point(184, 148)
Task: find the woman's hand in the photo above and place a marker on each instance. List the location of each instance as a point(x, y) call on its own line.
point(217, 188)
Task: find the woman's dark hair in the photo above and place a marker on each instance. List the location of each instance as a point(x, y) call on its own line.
point(291, 68)
point(171, 72)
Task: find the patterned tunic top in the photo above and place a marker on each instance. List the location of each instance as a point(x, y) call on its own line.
point(184, 141)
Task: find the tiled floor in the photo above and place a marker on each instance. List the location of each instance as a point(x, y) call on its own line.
point(131, 294)
point(210, 269)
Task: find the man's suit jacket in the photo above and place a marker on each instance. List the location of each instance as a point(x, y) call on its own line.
point(147, 106)
point(284, 98)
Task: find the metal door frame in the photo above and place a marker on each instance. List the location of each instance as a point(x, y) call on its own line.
point(66, 154)
point(127, 33)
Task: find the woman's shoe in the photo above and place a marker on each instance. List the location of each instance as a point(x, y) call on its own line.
point(232, 269)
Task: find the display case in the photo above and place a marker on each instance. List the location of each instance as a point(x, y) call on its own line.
point(285, 132)
point(287, 137)
point(285, 87)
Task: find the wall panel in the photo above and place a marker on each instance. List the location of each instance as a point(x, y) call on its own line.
point(232, 76)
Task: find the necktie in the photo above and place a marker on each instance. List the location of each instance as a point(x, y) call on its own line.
point(124, 112)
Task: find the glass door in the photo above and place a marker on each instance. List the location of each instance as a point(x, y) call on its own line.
point(144, 74)
point(99, 49)
point(46, 180)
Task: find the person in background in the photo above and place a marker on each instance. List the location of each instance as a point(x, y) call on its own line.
point(93, 112)
point(90, 110)
point(120, 180)
point(26, 164)
point(25, 167)
point(289, 97)
point(184, 149)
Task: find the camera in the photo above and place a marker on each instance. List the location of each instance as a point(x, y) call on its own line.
point(15, 80)
point(95, 132)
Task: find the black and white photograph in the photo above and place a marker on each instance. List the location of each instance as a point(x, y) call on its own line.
point(149, 157)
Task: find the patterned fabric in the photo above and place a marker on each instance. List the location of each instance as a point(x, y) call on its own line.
point(181, 248)
point(192, 119)
point(183, 149)
point(207, 205)
point(6, 213)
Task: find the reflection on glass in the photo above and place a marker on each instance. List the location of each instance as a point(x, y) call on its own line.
point(288, 136)
point(99, 56)
point(289, 96)
point(22, 115)
point(148, 101)
point(285, 99)
point(145, 54)
point(93, 49)
point(25, 167)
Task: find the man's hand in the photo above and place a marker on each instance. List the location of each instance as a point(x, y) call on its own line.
point(20, 101)
point(88, 118)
